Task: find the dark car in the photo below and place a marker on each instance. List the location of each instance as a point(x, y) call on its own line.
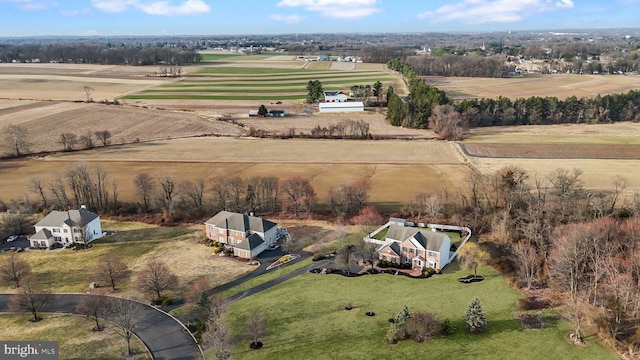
point(55, 245)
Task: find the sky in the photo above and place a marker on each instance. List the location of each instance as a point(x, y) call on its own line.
point(229, 17)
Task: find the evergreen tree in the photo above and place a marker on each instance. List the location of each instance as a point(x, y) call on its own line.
point(474, 318)
point(262, 110)
point(202, 312)
point(396, 110)
point(400, 322)
point(314, 91)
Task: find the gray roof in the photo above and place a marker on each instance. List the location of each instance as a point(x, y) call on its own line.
point(430, 240)
point(250, 243)
point(240, 222)
point(43, 234)
point(69, 217)
point(333, 93)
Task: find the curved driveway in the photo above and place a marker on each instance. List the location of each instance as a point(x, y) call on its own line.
point(165, 337)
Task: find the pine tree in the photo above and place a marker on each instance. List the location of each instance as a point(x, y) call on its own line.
point(262, 110)
point(401, 322)
point(474, 318)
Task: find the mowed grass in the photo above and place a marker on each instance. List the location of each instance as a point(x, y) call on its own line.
point(67, 271)
point(307, 320)
point(216, 57)
point(75, 339)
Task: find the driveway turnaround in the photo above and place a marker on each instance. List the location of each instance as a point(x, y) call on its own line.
point(165, 337)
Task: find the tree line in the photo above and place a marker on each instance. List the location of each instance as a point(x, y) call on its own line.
point(428, 107)
point(103, 54)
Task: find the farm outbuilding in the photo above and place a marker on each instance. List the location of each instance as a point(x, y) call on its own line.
point(276, 113)
point(254, 113)
point(349, 106)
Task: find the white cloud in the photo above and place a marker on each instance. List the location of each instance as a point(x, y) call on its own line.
point(188, 7)
point(289, 19)
point(74, 12)
point(31, 5)
point(340, 9)
point(493, 11)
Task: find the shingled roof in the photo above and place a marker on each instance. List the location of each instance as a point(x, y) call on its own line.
point(430, 240)
point(250, 243)
point(240, 222)
point(78, 217)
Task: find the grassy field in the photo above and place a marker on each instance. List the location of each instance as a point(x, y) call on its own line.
point(75, 339)
point(307, 320)
point(134, 243)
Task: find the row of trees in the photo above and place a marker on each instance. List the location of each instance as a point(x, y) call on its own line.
point(550, 110)
point(17, 142)
point(69, 140)
point(469, 65)
point(414, 111)
point(99, 54)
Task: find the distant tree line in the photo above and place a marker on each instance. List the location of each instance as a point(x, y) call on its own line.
point(424, 108)
point(98, 54)
point(470, 65)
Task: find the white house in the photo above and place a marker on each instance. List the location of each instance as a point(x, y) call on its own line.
point(247, 235)
point(67, 227)
point(350, 106)
point(335, 96)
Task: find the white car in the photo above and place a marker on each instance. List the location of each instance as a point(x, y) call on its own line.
point(12, 237)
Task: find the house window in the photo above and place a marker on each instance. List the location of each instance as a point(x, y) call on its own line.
point(77, 238)
point(55, 230)
point(221, 231)
point(419, 252)
point(57, 238)
point(433, 254)
point(65, 230)
point(410, 251)
point(384, 257)
point(76, 230)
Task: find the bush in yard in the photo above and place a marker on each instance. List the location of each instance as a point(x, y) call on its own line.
point(216, 250)
point(167, 301)
point(429, 271)
point(228, 252)
point(422, 326)
point(447, 327)
point(474, 318)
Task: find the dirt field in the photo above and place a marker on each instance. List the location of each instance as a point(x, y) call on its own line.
point(378, 125)
point(67, 81)
point(556, 151)
point(46, 121)
point(559, 85)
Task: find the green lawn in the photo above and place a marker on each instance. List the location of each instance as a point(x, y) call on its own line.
point(247, 70)
point(215, 57)
point(244, 91)
point(307, 320)
point(75, 339)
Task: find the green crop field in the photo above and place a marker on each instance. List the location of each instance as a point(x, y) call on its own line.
point(307, 319)
point(240, 83)
point(216, 57)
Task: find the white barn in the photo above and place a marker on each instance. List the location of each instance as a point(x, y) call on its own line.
point(335, 96)
point(350, 106)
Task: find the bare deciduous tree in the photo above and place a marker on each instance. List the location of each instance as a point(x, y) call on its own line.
point(300, 194)
point(104, 136)
point(88, 90)
point(527, 261)
point(447, 122)
point(144, 187)
point(422, 326)
point(343, 259)
point(14, 269)
point(68, 140)
point(17, 139)
point(255, 328)
point(126, 315)
point(31, 298)
point(86, 140)
point(168, 192)
point(110, 269)
point(156, 277)
point(194, 191)
point(94, 307)
point(38, 186)
point(218, 338)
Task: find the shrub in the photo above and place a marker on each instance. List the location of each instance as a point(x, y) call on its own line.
point(216, 250)
point(429, 271)
point(422, 326)
point(447, 327)
point(217, 244)
point(228, 252)
point(167, 301)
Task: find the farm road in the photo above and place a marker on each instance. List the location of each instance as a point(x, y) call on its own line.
point(165, 337)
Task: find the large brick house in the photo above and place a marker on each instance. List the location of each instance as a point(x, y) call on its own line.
point(247, 235)
point(420, 247)
point(67, 227)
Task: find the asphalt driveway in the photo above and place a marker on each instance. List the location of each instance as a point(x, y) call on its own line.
point(165, 337)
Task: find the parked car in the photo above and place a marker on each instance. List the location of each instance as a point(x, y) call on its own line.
point(55, 245)
point(12, 238)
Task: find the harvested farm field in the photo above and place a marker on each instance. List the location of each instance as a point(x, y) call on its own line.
point(555, 151)
point(558, 85)
point(397, 169)
point(67, 81)
point(47, 120)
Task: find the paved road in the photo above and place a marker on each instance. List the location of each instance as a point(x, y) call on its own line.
point(163, 335)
